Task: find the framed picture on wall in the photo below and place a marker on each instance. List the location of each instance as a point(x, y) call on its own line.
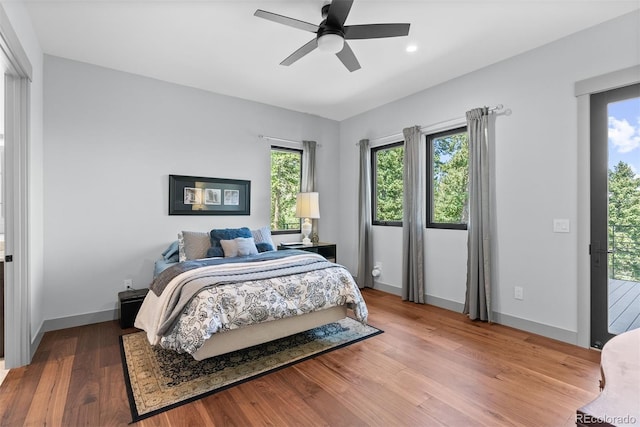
point(212, 196)
point(196, 195)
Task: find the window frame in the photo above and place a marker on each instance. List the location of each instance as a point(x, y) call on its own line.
point(374, 189)
point(294, 150)
point(429, 190)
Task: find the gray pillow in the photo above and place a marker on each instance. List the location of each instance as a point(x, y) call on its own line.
point(193, 244)
point(263, 235)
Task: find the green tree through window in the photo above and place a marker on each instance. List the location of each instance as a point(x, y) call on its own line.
point(449, 179)
point(286, 178)
point(624, 222)
point(388, 166)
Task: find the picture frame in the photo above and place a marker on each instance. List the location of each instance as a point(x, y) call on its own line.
point(197, 195)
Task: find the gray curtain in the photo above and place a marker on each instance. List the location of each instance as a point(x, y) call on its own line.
point(365, 246)
point(412, 219)
point(477, 303)
point(308, 183)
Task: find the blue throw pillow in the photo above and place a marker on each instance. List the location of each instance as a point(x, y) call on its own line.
point(264, 247)
point(215, 252)
point(170, 251)
point(218, 234)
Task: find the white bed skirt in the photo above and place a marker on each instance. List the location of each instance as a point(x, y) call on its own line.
point(251, 335)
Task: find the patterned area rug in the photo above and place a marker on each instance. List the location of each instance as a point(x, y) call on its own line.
point(158, 379)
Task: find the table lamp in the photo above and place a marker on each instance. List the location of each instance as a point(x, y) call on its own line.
point(307, 207)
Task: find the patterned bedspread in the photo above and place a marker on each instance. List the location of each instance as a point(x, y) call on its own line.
point(236, 295)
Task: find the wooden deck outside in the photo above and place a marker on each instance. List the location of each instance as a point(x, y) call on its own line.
point(624, 306)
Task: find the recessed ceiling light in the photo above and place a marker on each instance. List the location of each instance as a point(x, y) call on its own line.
point(412, 48)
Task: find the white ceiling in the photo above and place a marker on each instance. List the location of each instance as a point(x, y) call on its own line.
point(219, 46)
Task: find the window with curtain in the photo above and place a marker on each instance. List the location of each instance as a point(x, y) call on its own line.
point(448, 179)
point(387, 184)
point(286, 181)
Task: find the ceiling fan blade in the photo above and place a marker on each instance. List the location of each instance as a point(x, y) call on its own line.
point(300, 52)
point(348, 58)
point(295, 23)
point(375, 31)
point(338, 11)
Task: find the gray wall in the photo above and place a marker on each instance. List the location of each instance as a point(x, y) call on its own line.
point(112, 139)
point(535, 176)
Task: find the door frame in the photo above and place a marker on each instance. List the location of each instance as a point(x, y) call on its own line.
point(17, 71)
point(583, 90)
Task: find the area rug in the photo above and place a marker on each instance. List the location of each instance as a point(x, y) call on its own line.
point(158, 380)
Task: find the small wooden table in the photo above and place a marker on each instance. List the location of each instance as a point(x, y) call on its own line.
point(619, 401)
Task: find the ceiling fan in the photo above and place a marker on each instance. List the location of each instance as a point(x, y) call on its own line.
point(331, 34)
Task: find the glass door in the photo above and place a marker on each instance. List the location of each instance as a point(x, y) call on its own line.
point(615, 213)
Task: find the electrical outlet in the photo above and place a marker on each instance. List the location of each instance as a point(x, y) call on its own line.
point(518, 292)
point(128, 283)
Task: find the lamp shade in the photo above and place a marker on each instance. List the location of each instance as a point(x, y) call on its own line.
point(307, 205)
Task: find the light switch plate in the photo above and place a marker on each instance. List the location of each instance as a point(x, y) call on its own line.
point(561, 226)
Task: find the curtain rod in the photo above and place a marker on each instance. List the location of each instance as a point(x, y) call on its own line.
point(291, 141)
point(395, 135)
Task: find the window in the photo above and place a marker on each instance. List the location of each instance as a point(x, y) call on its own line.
point(387, 166)
point(286, 180)
point(448, 179)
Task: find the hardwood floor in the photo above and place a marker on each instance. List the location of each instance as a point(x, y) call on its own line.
point(431, 367)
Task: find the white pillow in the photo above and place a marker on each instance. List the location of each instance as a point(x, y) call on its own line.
point(229, 247)
point(240, 246)
point(246, 246)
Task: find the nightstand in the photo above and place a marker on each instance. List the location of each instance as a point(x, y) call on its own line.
point(129, 304)
point(327, 250)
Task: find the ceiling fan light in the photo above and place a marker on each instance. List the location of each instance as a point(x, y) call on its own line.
point(331, 43)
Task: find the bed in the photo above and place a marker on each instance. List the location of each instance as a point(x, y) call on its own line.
point(211, 305)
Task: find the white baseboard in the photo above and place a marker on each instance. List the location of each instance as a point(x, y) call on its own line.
point(503, 319)
point(79, 320)
point(381, 286)
point(553, 332)
point(548, 331)
point(35, 343)
point(71, 322)
point(445, 303)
